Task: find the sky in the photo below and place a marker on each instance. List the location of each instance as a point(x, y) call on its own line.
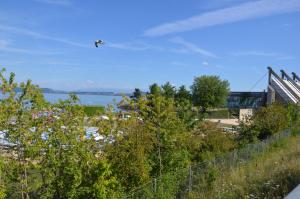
point(51, 42)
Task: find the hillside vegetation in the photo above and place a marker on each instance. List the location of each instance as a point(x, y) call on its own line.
point(47, 150)
point(270, 175)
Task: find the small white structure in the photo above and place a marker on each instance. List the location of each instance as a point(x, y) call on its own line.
point(103, 117)
point(245, 113)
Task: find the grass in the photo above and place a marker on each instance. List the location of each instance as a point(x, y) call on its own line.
point(270, 175)
point(222, 114)
point(93, 110)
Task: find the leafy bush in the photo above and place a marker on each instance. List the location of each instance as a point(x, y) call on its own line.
point(268, 121)
point(207, 140)
point(93, 110)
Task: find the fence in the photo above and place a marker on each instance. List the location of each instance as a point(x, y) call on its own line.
point(200, 177)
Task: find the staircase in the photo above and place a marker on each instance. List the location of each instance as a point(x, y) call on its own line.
point(296, 78)
point(285, 89)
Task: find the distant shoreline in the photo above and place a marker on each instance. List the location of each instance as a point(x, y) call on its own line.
point(89, 93)
point(103, 93)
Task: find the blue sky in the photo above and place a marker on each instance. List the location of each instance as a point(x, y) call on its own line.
point(52, 41)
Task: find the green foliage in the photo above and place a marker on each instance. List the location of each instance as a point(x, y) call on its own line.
point(2, 185)
point(294, 119)
point(247, 132)
point(184, 107)
point(183, 94)
point(207, 140)
point(222, 113)
point(271, 175)
point(209, 92)
point(155, 89)
point(130, 154)
point(168, 90)
point(137, 93)
point(93, 110)
point(160, 117)
point(50, 156)
point(270, 120)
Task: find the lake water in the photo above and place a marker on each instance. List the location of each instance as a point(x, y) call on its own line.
point(102, 100)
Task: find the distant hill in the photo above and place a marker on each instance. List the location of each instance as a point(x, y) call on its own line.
point(81, 92)
point(114, 90)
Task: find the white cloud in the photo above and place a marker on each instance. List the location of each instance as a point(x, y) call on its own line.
point(276, 55)
point(245, 11)
point(38, 35)
point(6, 47)
point(205, 63)
point(187, 47)
point(3, 43)
point(135, 46)
point(190, 47)
point(176, 63)
point(56, 2)
point(255, 53)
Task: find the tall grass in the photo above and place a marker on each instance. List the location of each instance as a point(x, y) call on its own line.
point(271, 175)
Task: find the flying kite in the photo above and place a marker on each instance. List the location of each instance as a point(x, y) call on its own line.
point(98, 43)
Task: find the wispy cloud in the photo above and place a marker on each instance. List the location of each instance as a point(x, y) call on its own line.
point(245, 11)
point(3, 43)
point(6, 47)
point(38, 35)
point(56, 2)
point(190, 47)
point(135, 46)
point(205, 63)
point(177, 63)
point(187, 47)
point(262, 54)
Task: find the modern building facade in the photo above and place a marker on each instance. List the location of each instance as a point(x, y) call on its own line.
point(246, 100)
point(281, 88)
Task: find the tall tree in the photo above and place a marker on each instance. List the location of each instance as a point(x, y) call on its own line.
point(168, 90)
point(49, 155)
point(182, 94)
point(184, 106)
point(155, 89)
point(159, 116)
point(209, 92)
point(136, 94)
point(129, 155)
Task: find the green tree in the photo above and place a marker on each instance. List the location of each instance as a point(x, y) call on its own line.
point(155, 89)
point(183, 94)
point(184, 106)
point(18, 121)
point(209, 92)
point(137, 93)
point(267, 121)
point(72, 166)
point(270, 120)
point(49, 154)
point(168, 90)
point(159, 115)
point(206, 140)
point(130, 153)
